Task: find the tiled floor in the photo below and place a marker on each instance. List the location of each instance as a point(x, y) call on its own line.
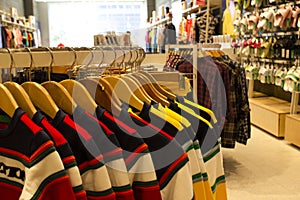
point(266, 168)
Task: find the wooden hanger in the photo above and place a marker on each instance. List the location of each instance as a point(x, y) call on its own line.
point(102, 91)
point(78, 92)
point(58, 93)
point(103, 95)
point(60, 96)
point(19, 93)
point(136, 89)
point(158, 87)
point(80, 95)
point(39, 96)
point(122, 90)
point(140, 86)
point(151, 90)
point(21, 98)
point(7, 102)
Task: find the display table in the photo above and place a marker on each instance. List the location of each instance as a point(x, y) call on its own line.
point(292, 129)
point(269, 114)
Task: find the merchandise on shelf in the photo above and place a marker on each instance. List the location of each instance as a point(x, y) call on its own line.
point(17, 32)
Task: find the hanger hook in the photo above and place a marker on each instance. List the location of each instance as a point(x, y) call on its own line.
point(51, 63)
point(70, 49)
point(75, 56)
point(31, 61)
point(115, 57)
point(102, 58)
point(12, 62)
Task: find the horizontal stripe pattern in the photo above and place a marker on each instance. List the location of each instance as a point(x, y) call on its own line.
point(40, 172)
point(175, 167)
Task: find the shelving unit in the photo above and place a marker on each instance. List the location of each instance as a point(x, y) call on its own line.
point(162, 21)
point(4, 21)
point(270, 113)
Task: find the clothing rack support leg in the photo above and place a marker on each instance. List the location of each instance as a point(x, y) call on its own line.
point(251, 88)
point(294, 102)
point(195, 69)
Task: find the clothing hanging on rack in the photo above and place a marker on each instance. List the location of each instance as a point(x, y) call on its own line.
point(148, 152)
point(234, 115)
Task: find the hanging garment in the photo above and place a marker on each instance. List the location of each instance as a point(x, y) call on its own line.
point(88, 157)
point(33, 169)
point(136, 154)
point(174, 172)
point(228, 27)
point(170, 34)
point(108, 145)
point(66, 155)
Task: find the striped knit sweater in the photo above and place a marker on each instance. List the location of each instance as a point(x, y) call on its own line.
point(30, 167)
point(64, 150)
point(94, 175)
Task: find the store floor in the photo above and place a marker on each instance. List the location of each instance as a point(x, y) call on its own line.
point(266, 168)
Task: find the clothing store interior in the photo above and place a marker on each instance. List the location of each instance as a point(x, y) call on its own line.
point(150, 99)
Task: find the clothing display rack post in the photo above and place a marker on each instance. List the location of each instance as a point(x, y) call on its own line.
point(194, 47)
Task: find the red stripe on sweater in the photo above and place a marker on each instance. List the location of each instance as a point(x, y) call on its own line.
point(55, 134)
point(171, 168)
point(153, 127)
point(30, 124)
point(91, 162)
point(14, 153)
point(68, 159)
point(147, 193)
point(59, 189)
point(121, 124)
point(106, 129)
point(107, 197)
point(41, 150)
point(81, 131)
point(112, 153)
point(136, 151)
point(9, 191)
point(81, 195)
point(128, 195)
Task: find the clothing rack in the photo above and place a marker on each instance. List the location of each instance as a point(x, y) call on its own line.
point(60, 56)
point(195, 56)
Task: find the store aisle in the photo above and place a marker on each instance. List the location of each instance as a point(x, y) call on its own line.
point(265, 169)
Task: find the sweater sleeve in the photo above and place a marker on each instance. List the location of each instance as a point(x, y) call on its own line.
point(45, 177)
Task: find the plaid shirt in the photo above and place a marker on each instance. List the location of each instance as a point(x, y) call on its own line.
point(215, 79)
point(244, 119)
point(225, 74)
point(210, 86)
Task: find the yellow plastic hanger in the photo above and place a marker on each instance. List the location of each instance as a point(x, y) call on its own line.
point(19, 93)
point(39, 95)
point(208, 111)
point(190, 111)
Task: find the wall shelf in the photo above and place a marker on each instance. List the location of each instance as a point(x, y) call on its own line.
point(162, 21)
point(5, 22)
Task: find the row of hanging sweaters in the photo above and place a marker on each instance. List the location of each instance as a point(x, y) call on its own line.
point(13, 37)
point(58, 142)
point(221, 87)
